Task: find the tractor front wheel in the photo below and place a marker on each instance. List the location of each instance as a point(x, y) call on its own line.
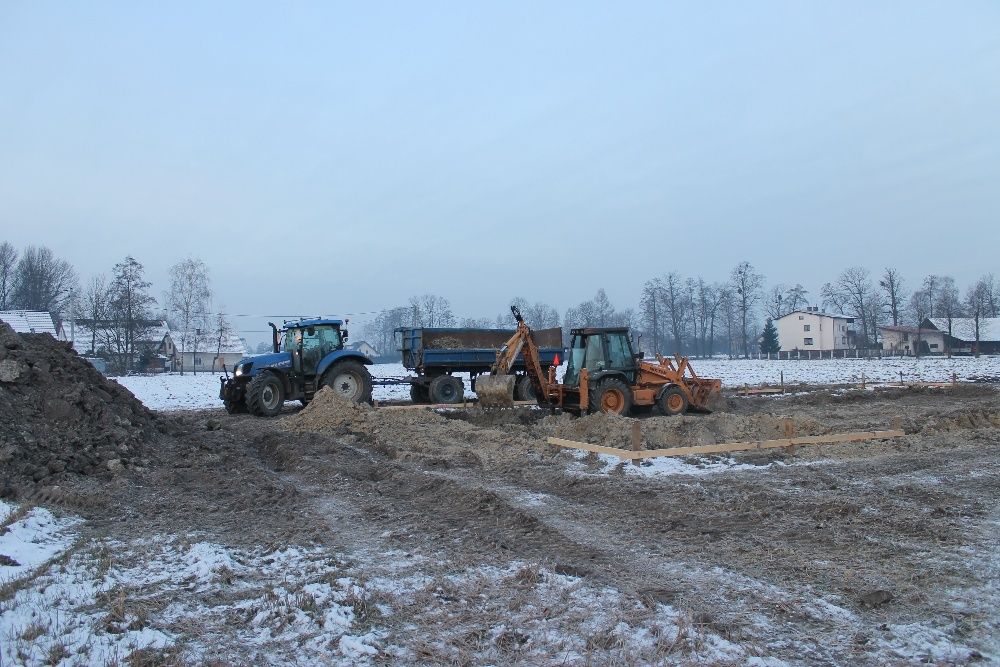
point(235, 407)
point(351, 380)
point(265, 395)
point(612, 396)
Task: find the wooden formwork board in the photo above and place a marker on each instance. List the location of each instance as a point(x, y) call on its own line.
point(443, 406)
point(833, 438)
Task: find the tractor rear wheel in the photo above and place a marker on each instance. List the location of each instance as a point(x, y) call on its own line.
point(672, 402)
point(612, 396)
point(525, 392)
point(265, 395)
point(351, 380)
point(447, 389)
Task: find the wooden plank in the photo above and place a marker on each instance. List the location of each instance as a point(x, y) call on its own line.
point(723, 447)
point(440, 406)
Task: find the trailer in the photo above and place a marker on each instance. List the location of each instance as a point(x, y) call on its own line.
point(436, 354)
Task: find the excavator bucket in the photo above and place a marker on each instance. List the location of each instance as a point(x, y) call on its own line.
point(495, 391)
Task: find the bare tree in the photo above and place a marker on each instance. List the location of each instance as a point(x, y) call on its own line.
point(920, 308)
point(8, 262)
point(992, 296)
point(977, 299)
point(651, 311)
point(188, 299)
point(892, 287)
point(931, 283)
point(775, 304)
point(675, 305)
point(42, 282)
point(95, 308)
point(948, 303)
point(221, 333)
point(129, 307)
point(381, 331)
point(728, 303)
point(542, 315)
point(795, 298)
point(431, 310)
point(746, 285)
point(855, 293)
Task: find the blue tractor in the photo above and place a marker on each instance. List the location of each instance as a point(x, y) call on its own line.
point(306, 356)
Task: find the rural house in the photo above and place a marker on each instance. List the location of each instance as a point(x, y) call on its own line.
point(155, 353)
point(911, 340)
point(205, 353)
point(812, 331)
point(364, 348)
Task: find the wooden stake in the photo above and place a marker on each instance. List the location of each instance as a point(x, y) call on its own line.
point(636, 441)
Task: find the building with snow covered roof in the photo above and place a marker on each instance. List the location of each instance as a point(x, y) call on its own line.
point(156, 350)
point(811, 330)
point(960, 336)
point(908, 341)
point(32, 321)
point(207, 354)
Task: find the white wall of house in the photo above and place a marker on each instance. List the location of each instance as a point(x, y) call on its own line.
point(209, 361)
point(811, 330)
point(905, 342)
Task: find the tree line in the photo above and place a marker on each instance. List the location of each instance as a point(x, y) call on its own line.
point(113, 317)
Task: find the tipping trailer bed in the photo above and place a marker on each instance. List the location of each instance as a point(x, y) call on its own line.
point(435, 352)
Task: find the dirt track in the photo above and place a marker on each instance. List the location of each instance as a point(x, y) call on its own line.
point(465, 523)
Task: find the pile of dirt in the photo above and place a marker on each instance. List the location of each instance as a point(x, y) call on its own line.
point(60, 416)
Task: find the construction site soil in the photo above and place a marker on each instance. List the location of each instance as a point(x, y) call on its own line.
point(856, 554)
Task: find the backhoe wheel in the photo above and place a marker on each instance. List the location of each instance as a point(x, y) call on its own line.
point(418, 394)
point(525, 392)
point(612, 396)
point(447, 389)
point(265, 395)
point(351, 380)
point(672, 402)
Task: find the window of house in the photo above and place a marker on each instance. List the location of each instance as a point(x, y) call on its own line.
point(805, 327)
point(843, 340)
point(934, 346)
point(906, 337)
point(197, 361)
point(850, 320)
point(807, 341)
point(802, 317)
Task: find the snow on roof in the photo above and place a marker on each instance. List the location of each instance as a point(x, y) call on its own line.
point(964, 328)
point(29, 321)
point(815, 312)
point(82, 336)
point(209, 342)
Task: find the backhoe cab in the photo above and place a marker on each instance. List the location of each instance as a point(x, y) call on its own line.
point(306, 356)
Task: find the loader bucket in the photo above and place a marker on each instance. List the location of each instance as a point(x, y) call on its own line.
point(495, 391)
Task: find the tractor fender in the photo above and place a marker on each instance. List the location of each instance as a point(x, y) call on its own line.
point(340, 355)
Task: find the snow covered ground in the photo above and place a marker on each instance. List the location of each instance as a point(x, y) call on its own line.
point(190, 392)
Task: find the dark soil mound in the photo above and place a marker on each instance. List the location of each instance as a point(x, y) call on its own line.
point(59, 416)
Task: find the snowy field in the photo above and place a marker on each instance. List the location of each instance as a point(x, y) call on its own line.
point(192, 392)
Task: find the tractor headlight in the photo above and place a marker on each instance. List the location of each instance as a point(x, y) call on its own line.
point(244, 369)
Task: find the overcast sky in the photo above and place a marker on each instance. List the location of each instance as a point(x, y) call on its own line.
point(340, 157)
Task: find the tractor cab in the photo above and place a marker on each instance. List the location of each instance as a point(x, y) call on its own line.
point(600, 351)
point(309, 341)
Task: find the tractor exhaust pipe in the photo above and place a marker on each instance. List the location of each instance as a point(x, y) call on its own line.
point(274, 337)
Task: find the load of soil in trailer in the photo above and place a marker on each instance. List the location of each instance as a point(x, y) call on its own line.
point(60, 416)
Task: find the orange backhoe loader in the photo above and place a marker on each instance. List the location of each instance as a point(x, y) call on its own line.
point(602, 374)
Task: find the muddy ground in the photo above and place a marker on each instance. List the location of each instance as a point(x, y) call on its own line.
point(867, 553)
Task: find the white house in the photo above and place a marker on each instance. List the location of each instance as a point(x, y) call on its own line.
point(911, 340)
point(206, 354)
point(811, 330)
point(960, 337)
point(31, 321)
point(364, 348)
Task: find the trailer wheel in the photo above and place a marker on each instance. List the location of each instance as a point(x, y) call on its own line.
point(447, 389)
point(672, 401)
point(265, 395)
point(612, 396)
point(525, 392)
point(418, 394)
